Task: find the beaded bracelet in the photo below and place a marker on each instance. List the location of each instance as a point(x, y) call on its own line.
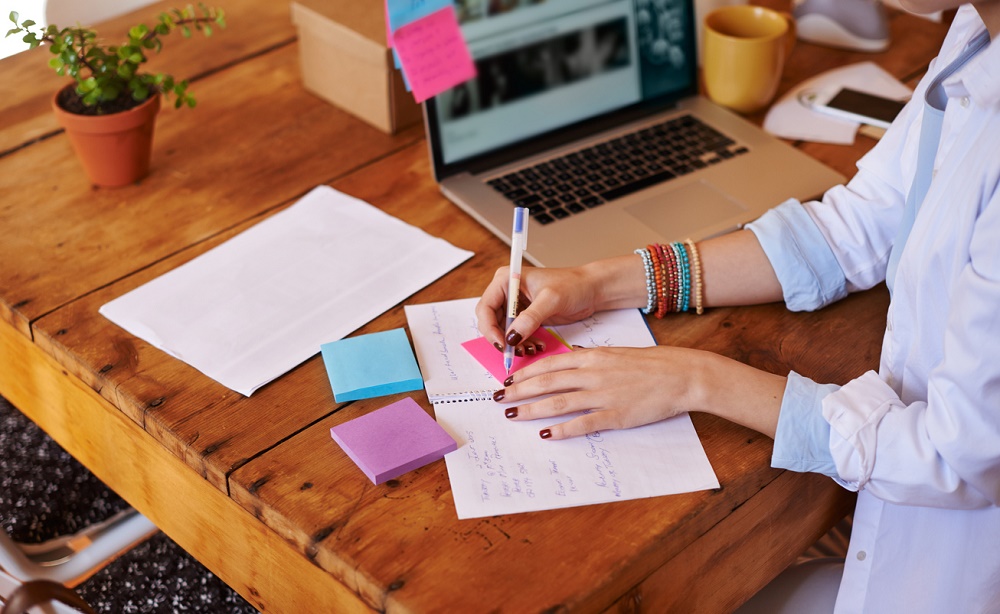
point(647, 264)
point(684, 291)
point(696, 270)
point(673, 278)
point(671, 275)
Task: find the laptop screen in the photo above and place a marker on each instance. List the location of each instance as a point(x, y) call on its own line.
point(546, 66)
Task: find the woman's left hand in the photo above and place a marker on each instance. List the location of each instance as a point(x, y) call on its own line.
point(621, 388)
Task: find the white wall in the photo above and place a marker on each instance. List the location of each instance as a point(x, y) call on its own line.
point(62, 13)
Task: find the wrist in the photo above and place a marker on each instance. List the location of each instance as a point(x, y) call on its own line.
point(618, 282)
point(736, 392)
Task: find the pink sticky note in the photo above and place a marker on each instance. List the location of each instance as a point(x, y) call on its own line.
point(392, 440)
point(488, 356)
point(433, 53)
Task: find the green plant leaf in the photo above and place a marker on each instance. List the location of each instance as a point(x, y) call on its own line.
point(14, 16)
point(208, 30)
point(136, 58)
point(186, 31)
point(56, 63)
point(27, 23)
point(12, 31)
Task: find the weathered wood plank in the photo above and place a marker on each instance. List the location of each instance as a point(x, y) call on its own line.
point(28, 84)
point(245, 150)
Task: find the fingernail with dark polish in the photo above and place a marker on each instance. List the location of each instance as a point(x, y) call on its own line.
point(545, 433)
point(511, 412)
point(514, 337)
point(530, 350)
point(518, 351)
point(509, 381)
point(498, 395)
point(498, 347)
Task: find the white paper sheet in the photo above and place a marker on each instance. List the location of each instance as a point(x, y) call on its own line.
point(261, 303)
point(790, 118)
point(504, 467)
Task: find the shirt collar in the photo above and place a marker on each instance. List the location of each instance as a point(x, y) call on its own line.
point(980, 78)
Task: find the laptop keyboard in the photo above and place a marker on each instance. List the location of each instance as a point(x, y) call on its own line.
point(561, 187)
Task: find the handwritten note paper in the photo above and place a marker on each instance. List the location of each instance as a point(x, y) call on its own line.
point(433, 54)
point(504, 467)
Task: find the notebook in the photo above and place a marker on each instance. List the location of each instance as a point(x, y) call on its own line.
point(503, 467)
point(588, 113)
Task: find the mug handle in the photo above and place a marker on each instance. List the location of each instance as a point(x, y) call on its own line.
point(792, 34)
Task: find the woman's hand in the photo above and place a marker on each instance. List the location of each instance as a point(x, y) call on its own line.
point(627, 387)
point(560, 296)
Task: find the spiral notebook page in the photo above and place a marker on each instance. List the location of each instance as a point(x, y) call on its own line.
point(504, 467)
point(450, 373)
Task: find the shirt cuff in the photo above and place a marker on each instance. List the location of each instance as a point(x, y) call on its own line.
point(802, 438)
point(807, 270)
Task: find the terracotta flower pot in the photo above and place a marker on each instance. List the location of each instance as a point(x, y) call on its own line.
point(114, 148)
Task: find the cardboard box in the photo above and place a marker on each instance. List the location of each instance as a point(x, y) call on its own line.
point(344, 60)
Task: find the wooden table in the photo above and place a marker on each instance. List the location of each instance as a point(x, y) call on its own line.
point(254, 487)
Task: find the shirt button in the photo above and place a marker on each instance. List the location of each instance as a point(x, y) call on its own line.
point(964, 101)
point(861, 555)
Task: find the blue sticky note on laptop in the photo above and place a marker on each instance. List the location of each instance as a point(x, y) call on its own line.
point(371, 365)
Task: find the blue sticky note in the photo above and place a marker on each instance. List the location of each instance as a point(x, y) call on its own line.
point(371, 365)
point(402, 12)
point(399, 65)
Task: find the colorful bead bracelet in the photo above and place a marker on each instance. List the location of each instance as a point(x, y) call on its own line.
point(673, 278)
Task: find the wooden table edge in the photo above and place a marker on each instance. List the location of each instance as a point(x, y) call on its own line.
point(253, 559)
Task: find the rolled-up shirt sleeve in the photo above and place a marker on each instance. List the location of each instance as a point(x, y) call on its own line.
point(807, 270)
point(802, 439)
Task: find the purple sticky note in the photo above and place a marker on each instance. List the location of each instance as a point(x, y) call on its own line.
point(433, 53)
point(392, 440)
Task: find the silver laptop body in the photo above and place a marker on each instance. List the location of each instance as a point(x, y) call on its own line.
point(560, 77)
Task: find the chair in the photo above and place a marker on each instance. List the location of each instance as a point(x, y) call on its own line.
point(62, 525)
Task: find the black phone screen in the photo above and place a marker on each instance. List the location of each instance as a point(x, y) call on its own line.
point(866, 105)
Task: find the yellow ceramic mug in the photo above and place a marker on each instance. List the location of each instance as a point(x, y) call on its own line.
point(744, 53)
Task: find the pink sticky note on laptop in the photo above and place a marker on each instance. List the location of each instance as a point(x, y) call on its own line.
point(488, 356)
point(433, 53)
point(393, 440)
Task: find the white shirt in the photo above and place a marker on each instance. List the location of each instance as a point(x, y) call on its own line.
point(919, 440)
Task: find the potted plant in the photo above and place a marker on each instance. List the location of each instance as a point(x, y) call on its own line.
point(110, 109)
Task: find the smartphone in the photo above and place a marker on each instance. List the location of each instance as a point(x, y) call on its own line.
point(859, 106)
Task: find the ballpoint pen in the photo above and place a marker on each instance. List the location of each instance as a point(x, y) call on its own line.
point(518, 243)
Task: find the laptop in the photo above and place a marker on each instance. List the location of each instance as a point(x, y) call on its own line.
point(587, 112)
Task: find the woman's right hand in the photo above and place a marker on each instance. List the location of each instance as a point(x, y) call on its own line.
point(560, 296)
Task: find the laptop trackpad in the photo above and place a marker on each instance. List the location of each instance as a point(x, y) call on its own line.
point(686, 210)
